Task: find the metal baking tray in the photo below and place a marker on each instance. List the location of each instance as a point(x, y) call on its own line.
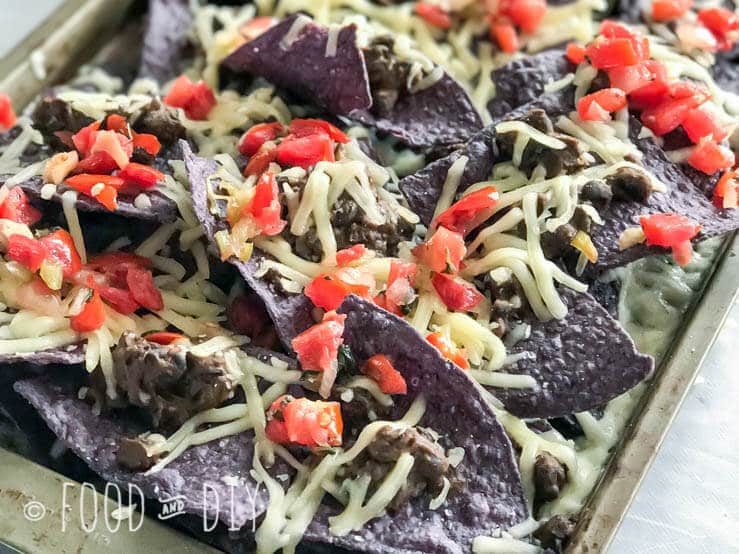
point(75, 33)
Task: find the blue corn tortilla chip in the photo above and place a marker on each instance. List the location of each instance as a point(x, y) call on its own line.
point(291, 313)
point(492, 497)
point(199, 476)
point(165, 39)
point(69, 355)
point(440, 114)
point(338, 83)
point(162, 209)
point(579, 362)
point(522, 80)
point(423, 188)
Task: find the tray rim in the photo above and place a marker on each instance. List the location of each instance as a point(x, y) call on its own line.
point(651, 419)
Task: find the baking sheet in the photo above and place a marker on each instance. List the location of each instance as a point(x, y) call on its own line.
point(72, 33)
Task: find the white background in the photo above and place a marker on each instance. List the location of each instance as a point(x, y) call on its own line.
point(689, 503)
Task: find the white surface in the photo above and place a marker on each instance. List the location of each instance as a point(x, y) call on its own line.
point(689, 502)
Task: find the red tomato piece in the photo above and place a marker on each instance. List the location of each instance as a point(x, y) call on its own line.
point(380, 369)
point(351, 254)
point(92, 315)
point(141, 284)
point(433, 14)
point(7, 115)
point(668, 114)
point(723, 23)
point(669, 10)
point(682, 252)
point(399, 291)
point(260, 161)
point(575, 53)
point(28, 252)
point(318, 346)
point(303, 421)
point(17, 208)
point(328, 290)
point(726, 192)
point(308, 127)
point(60, 249)
point(164, 337)
point(505, 35)
point(148, 142)
point(709, 157)
point(117, 123)
point(448, 349)
point(703, 122)
point(613, 29)
point(196, 99)
point(253, 139)
point(85, 138)
point(609, 52)
point(668, 229)
point(526, 14)
point(99, 162)
point(140, 175)
point(110, 260)
point(118, 146)
point(598, 105)
point(265, 205)
point(456, 293)
point(630, 77)
point(107, 195)
point(443, 252)
point(305, 151)
point(655, 91)
point(470, 211)
point(121, 300)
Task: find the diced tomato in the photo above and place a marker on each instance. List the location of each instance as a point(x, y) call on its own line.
point(723, 23)
point(328, 290)
point(141, 284)
point(630, 77)
point(399, 291)
point(255, 27)
point(655, 91)
point(669, 10)
point(726, 192)
point(470, 211)
point(621, 48)
point(526, 14)
point(197, 99)
point(575, 53)
point(380, 369)
point(26, 251)
point(260, 161)
point(118, 146)
point(17, 208)
point(351, 254)
point(505, 35)
point(668, 229)
point(60, 249)
point(99, 162)
point(614, 29)
point(120, 299)
point(253, 139)
point(682, 252)
point(695, 35)
point(318, 346)
point(306, 422)
point(140, 175)
point(401, 270)
point(107, 195)
point(443, 252)
point(109, 260)
point(305, 151)
point(444, 345)
point(7, 115)
point(92, 315)
point(85, 138)
point(164, 337)
point(668, 114)
point(117, 123)
point(265, 205)
point(456, 293)
point(433, 14)
point(709, 157)
point(703, 122)
point(598, 105)
point(148, 142)
point(309, 127)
